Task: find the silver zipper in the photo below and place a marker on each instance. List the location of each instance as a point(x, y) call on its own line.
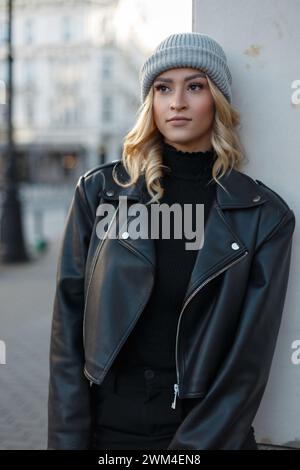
point(175, 395)
point(90, 378)
point(176, 386)
point(92, 272)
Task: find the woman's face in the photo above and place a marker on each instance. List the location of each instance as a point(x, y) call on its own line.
point(184, 92)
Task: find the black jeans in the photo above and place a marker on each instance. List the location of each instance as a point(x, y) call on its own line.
point(132, 410)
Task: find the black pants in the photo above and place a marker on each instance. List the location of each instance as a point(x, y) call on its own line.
point(132, 410)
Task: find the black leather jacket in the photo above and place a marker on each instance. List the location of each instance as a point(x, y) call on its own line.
point(236, 292)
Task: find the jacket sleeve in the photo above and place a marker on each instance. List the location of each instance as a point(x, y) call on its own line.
point(68, 399)
point(222, 419)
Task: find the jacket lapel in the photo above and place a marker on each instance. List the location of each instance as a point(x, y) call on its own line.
point(222, 245)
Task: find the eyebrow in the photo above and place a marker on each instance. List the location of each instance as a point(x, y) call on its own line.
point(190, 77)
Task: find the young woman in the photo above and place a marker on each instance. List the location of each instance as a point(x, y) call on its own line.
point(158, 343)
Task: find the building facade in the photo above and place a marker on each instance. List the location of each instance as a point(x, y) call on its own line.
point(76, 89)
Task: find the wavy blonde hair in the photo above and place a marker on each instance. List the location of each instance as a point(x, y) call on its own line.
point(142, 149)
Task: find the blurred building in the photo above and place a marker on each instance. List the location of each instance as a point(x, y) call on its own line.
point(76, 86)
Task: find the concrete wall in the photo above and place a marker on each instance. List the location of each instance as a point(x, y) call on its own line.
point(261, 39)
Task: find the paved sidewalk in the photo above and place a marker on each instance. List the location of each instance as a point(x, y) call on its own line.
point(27, 294)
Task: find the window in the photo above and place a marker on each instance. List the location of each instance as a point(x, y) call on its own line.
point(29, 110)
point(3, 32)
point(66, 110)
point(28, 31)
point(66, 29)
point(29, 72)
point(107, 67)
point(107, 108)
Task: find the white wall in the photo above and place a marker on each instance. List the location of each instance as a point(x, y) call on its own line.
point(261, 39)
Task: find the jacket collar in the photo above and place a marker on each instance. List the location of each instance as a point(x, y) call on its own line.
point(223, 245)
point(240, 191)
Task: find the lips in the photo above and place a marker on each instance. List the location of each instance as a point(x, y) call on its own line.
point(179, 121)
point(179, 118)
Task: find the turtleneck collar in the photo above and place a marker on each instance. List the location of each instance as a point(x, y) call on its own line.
point(188, 165)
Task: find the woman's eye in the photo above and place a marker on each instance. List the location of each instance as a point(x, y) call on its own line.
point(162, 87)
point(200, 85)
point(159, 87)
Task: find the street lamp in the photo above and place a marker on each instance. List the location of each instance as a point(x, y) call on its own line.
point(12, 247)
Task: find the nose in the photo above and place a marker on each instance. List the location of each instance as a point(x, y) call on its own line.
point(178, 101)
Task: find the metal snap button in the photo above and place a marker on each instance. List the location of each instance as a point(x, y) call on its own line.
point(256, 198)
point(149, 374)
point(235, 246)
point(125, 235)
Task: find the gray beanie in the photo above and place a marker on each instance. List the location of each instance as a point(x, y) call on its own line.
point(194, 50)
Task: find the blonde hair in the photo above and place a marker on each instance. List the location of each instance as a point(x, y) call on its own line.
point(142, 150)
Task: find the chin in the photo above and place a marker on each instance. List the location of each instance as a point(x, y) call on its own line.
point(178, 140)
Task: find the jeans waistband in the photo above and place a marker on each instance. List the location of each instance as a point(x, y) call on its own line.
point(140, 377)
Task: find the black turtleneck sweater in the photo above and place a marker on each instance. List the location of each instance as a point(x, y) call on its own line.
point(152, 341)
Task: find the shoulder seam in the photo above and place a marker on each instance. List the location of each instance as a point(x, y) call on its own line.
point(274, 193)
point(282, 220)
point(284, 217)
point(99, 167)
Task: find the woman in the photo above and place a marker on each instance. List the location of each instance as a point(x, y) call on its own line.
point(158, 343)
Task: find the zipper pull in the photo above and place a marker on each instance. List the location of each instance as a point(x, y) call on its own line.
point(175, 395)
point(91, 383)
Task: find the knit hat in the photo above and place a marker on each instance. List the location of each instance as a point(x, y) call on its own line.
point(194, 50)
